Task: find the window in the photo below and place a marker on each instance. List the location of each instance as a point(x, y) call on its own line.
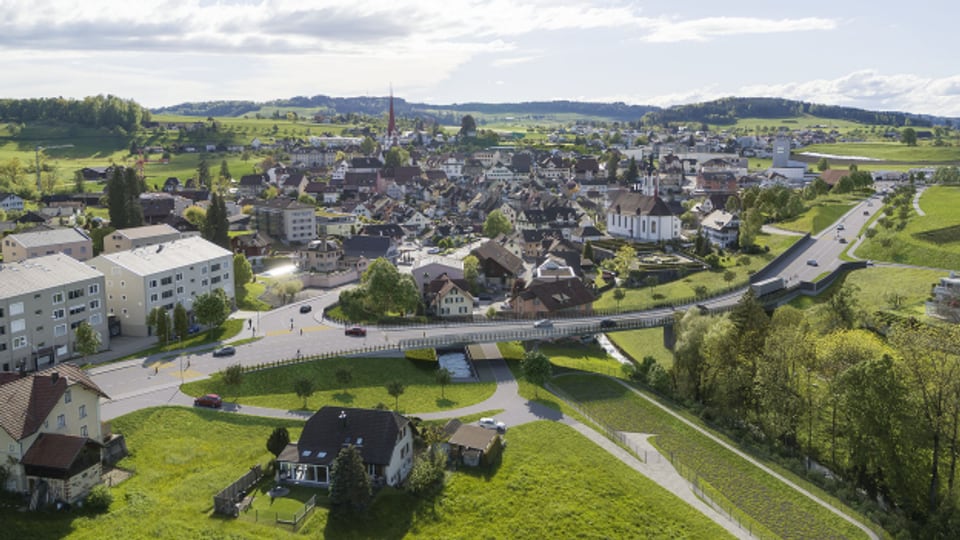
point(83, 411)
point(95, 304)
point(96, 319)
point(18, 325)
point(59, 313)
point(203, 270)
point(153, 283)
point(58, 298)
point(123, 284)
point(203, 283)
point(67, 396)
point(94, 289)
point(16, 308)
point(76, 293)
point(61, 421)
point(179, 276)
point(215, 279)
point(78, 309)
point(60, 330)
point(166, 281)
point(83, 431)
point(166, 294)
point(3, 330)
point(214, 267)
point(179, 290)
point(154, 297)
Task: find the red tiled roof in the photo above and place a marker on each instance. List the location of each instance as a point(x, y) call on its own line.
point(54, 451)
point(27, 401)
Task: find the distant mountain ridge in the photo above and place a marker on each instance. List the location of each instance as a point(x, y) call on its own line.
point(724, 111)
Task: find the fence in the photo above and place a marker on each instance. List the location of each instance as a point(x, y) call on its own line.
point(294, 520)
point(703, 490)
point(226, 502)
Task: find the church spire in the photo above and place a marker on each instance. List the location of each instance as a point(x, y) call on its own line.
point(392, 122)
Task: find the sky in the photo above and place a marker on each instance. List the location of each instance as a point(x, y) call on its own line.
point(879, 55)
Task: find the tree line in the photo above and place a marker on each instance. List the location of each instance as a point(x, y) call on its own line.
point(100, 111)
point(878, 403)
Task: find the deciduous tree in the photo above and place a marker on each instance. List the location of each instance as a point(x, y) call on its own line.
point(86, 340)
point(536, 369)
point(395, 389)
point(496, 224)
point(443, 379)
point(304, 388)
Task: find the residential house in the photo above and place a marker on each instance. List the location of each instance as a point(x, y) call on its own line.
point(448, 297)
point(670, 177)
point(50, 434)
point(321, 256)
point(158, 207)
point(721, 228)
point(472, 445)
point(336, 224)
point(433, 267)
point(553, 268)
point(587, 233)
point(42, 302)
point(391, 230)
point(369, 248)
point(161, 276)
point(135, 237)
point(498, 266)
point(252, 185)
point(586, 168)
point(253, 246)
point(11, 202)
point(533, 242)
point(642, 218)
point(384, 440)
point(74, 242)
point(946, 299)
point(286, 220)
point(717, 176)
point(560, 296)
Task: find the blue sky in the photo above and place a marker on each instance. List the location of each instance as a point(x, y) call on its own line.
point(878, 55)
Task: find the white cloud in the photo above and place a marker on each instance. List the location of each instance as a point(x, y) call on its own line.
point(512, 61)
point(671, 30)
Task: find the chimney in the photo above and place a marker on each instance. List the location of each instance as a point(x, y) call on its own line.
point(54, 377)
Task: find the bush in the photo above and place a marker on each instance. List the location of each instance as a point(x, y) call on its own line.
point(99, 499)
point(422, 355)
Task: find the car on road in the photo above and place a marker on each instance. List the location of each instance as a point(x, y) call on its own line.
point(210, 400)
point(840, 227)
point(608, 323)
point(490, 423)
point(357, 331)
point(812, 262)
point(842, 240)
point(543, 323)
point(433, 251)
point(866, 212)
point(225, 351)
point(306, 308)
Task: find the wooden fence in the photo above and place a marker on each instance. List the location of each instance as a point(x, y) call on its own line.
point(228, 501)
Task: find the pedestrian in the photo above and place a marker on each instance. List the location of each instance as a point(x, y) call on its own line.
point(156, 370)
point(301, 331)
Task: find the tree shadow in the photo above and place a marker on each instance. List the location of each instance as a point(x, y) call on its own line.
point(445, 403)
point(343, 397)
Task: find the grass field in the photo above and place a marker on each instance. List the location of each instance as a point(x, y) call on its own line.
point(685, 289)
point(932, 240)
point(751, 125)
point(274, 387)
point(183, 457)
point(640, 343)
point(890, 151)
point(821, 214)
point(573, 355)
point(782, 510)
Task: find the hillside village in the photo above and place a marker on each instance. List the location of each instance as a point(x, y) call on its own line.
point(546, 229)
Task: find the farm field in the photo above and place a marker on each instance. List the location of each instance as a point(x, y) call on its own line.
point(889, 151)
point(274, 387)
point(932, 240)
point(538, 491)
point(880, 288)
point(774, 505)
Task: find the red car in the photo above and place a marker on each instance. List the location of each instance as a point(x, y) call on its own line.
point(210, 400)
point(358, 331)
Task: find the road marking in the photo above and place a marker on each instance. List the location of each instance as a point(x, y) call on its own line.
point(279, 332)
point(320, 328)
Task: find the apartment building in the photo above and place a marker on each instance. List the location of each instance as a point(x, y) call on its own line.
point(42, 302)
point(287, 220)
point(135, 237)
point(162, 275)
point(74, 242)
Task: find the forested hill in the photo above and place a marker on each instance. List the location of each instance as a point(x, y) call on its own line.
point(108, 112)
point(724, 111)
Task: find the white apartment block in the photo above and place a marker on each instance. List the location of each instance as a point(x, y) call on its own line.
point(42, 302)
point(162, 275)
point(286, 220)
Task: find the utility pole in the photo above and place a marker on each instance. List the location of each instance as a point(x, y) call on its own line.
point(37, 151)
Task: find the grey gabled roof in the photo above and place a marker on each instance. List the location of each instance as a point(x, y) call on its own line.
point(41, 273)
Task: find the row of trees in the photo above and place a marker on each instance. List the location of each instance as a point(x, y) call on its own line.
point(883, 411)
point(93, 111)
point(209, 309)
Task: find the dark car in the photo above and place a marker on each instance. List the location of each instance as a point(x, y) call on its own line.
point(210, 400)
point(358, 331)
point(306, 308)
point(193, 329)
point(225, 351)
point(608, 323)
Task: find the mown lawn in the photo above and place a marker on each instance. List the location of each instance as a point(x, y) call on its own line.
point(889, 151)
point(714, 280)
point(183, 457)
point(248, 297)
point(822, 213)
point(880, 287)
point(573, 355)
point(779, 508)
point(932, 240)
point(640, 343)
point(274, 388)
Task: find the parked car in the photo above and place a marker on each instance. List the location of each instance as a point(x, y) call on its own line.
point(608, 323)
point(812, 262)
point(306, 308)
point(210, 400)
point(543, 323)
point(193, 329)
point(843, 240)
point(490, 423)
point(358, 331)
point(433, 251)
point(225, 351)
point(866, 212)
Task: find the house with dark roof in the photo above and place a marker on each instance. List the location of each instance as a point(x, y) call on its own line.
point(448, 297)
point(498, 266)
point(50, 433)
point(384, 440)
point(643, 218)
point(252, 185)
point(550, 297)
point(368, 247)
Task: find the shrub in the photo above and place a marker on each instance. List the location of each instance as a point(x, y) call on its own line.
point(422, 355)
point(99, 499)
